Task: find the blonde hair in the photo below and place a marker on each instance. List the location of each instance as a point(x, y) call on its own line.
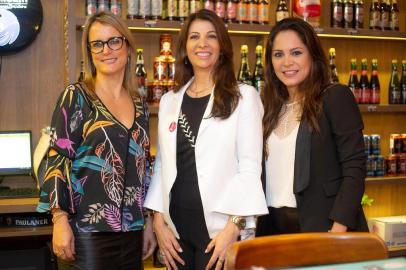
point(129, 81)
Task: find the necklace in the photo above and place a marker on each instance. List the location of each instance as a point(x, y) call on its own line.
point(197, 93)
point(288, 116)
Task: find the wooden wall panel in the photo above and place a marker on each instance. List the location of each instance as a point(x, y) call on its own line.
point(32, 79)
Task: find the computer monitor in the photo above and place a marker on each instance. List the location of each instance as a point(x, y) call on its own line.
point(15, 152)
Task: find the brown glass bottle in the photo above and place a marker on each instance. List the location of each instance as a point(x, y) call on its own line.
point(253, 11)
point(82, 71)
point(403, 85)
point(364, 84)
point(353, 81)
point(374, 15)
point(394, 89)
point(231, 14)
point(141, 75)
point(374, 83)
point(220, 8)
point(394, 16)
point(336, 13)
point(385, 11)
point(242, 9)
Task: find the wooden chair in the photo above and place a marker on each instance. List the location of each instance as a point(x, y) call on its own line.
point(304, 249)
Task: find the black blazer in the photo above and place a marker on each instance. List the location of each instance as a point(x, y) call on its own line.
point(330, 166)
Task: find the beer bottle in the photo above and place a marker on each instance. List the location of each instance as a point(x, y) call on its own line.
point(141, 75)
point(403, 84)
point(208, 4)
point(183, 9)
point(133, 9)
point(358, 14)
point(385, 10)
point(91, 7)
point(263, 12)
point(172, 9)
point(194, 6)
point(353, 81)
point(82, 71)
point(348, 14)
point(394, 90)
point(336, 13)
point(252, 11)
point(374, 15)
point(231, 10)
point(242, 8)
point(374, 83)
point(258, 79)
point(333, 68)
point(282, 11)
point(394, 16)
point(220, 9)
point(244, 74)
point(364, 84)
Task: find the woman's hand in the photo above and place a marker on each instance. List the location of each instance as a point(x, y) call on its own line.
point(221, 242)
point(63, 241)
point(338, 227)
point(149, 239)
point(168, 245)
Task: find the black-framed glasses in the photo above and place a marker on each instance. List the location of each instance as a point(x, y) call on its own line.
point(114, 43)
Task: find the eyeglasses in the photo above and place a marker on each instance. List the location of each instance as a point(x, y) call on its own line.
point(114, 43)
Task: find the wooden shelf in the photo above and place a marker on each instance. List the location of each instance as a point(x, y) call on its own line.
point(20, 205)
point(386, 179)
point(257, 29)
point(25, 231)
point(371, 108)
point(397, 251)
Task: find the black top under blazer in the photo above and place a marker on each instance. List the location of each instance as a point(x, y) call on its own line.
point(330, 166)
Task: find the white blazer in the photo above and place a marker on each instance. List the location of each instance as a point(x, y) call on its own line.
point(228, 157)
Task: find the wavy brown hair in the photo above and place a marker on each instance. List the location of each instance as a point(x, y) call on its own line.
point(226, 92)
point(129, 81)
point(275, 92)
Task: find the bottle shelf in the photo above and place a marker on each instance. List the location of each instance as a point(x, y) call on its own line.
point(25, 231)
point(388, 108)
point(257, 29)
point(386, 179)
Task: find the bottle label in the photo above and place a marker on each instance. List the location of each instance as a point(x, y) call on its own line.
point(194, 6)
point(183, 8)
point(394, 21)
point(307, 8)
point(231, 10)
point(241, 11)
point(172, 8)
point(145, 8)
point(220, 9)
point(263, 13)
point(280, 15)
point(209, 5)
point(91, 7)
point(252, 12)
point(142, 86)
point(365, 95)
point(156, 8)
point(375, 95)
point(337, 15)
point(384, 20)
point(359, 15)
point(374, 72)
point(348, 14)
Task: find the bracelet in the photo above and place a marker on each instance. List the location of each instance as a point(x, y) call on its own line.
point(58, 214)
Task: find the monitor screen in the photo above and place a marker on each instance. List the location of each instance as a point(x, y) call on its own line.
point(15, 152)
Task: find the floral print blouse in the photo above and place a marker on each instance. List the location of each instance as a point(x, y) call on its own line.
point(98, 170)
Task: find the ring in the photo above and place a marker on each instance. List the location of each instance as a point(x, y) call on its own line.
point(220, 260)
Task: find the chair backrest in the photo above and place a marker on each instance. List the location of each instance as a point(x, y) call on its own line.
point(304, 249)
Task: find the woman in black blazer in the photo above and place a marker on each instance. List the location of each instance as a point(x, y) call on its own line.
point(314, 163)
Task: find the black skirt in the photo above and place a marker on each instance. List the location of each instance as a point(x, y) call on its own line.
point(112, 250)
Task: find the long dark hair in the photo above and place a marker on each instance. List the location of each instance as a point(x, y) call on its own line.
point(226, 92)
point(276, 93)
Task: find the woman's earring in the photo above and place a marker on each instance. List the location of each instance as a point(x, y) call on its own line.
point(186, 61)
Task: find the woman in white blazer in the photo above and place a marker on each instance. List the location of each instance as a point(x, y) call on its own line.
point(206, 187)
